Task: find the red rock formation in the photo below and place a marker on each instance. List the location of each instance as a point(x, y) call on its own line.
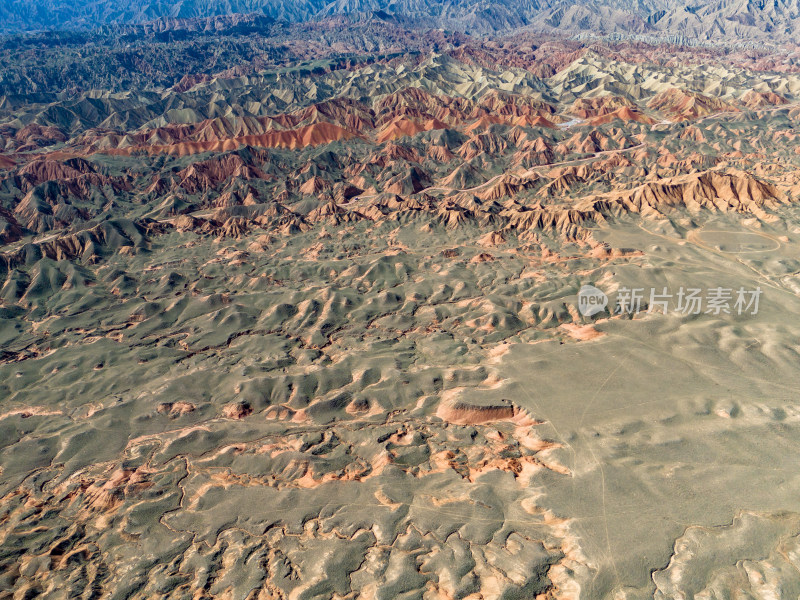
point(755, 100)
point(208, 174)
point(587, 108)
point(681, 105)
point(711, 190)
point(624, 114)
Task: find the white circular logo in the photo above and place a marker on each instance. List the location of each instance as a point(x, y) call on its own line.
point(591, 300)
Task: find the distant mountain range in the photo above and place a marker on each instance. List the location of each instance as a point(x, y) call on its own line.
point(695, 21)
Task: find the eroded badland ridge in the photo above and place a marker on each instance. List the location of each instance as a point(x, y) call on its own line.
point(295, 314)
point(696, 21)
